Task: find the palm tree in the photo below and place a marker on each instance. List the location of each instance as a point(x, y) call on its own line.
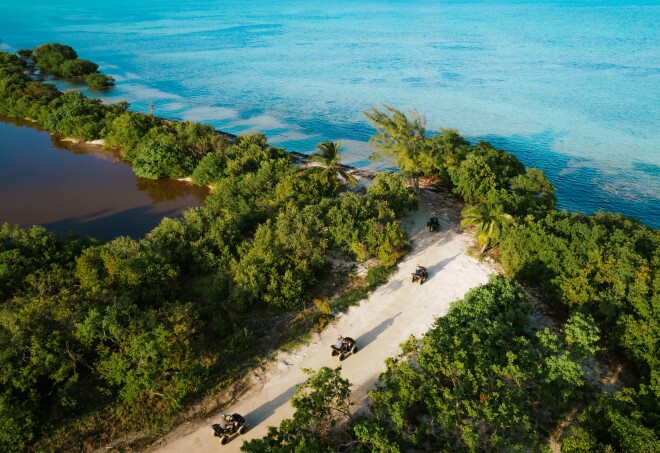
point(488, 217)
point(328, 158)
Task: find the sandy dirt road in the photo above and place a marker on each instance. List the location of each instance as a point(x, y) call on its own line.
point(379, 324)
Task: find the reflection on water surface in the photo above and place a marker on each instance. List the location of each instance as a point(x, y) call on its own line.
point(81, 188)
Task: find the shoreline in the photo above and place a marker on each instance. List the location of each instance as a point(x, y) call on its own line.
point(297, 157)
point(99, 144)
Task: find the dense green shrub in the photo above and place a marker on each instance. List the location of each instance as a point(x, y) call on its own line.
point(160, 158)
point(74, 115)
point(531, 194)
point(249, 152)
point(50, 57)
point(40, 366)
point(11, 62)
point(477, 381)
point(28, 255)
point(304, 187)
point(604, 265)
point(145, 354)
point(607, 266)
point(245, 199)
point(366, 228)
point(124, 266)
point(272, 272)
point(378, 275)
point(484, 169)
point(97, 80)
point(474, 179)
point(127, 131)
point(62, 61)
point(391, 187)
point(40, 361)
point(210, 169)
point(77, 68)
point(627, 420)
point(447, 151)
point(196, 138)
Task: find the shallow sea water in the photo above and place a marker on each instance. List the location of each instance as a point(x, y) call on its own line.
point(572, 88)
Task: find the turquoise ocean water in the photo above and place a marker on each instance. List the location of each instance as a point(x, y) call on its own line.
point(572, 88)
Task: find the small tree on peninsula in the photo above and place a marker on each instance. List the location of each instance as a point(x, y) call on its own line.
point(400, 138)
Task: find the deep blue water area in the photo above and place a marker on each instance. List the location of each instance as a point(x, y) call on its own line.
point(571, 87)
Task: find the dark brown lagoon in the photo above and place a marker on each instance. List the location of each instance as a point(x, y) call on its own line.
point(81, 188)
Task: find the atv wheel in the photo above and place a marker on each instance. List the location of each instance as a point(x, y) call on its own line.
point(242, 430)
point(341, 356)
point(224, 439)
point(334, 353)
point(354, 349)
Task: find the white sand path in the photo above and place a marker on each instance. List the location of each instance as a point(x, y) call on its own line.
point(380, 324)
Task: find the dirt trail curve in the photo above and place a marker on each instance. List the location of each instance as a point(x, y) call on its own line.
point(379, 324)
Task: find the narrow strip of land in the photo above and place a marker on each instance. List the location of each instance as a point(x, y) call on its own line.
point(390, 315)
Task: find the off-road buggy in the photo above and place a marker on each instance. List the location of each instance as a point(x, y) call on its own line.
point(433, 224)
point(420, 275)
point(235, 426)
point(348, 346)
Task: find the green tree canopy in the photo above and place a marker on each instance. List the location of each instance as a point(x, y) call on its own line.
point(328, 157)
point(320, 404)
point(400, 138)
point(127, 131)
point(531, 194)
point(97, 80)
point(391, 187)
point(479, 380)
point(161, 158)
point(77, 68)
point(50, 57)
point(488, 217)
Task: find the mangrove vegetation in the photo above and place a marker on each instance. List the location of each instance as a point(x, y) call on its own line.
point(102, 339)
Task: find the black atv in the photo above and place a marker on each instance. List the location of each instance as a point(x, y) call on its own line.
point(433, 224)
point(348, 347)
point(238, 427)
point(421, 276)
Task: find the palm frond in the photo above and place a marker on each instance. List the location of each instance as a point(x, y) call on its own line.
point(350, 179)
